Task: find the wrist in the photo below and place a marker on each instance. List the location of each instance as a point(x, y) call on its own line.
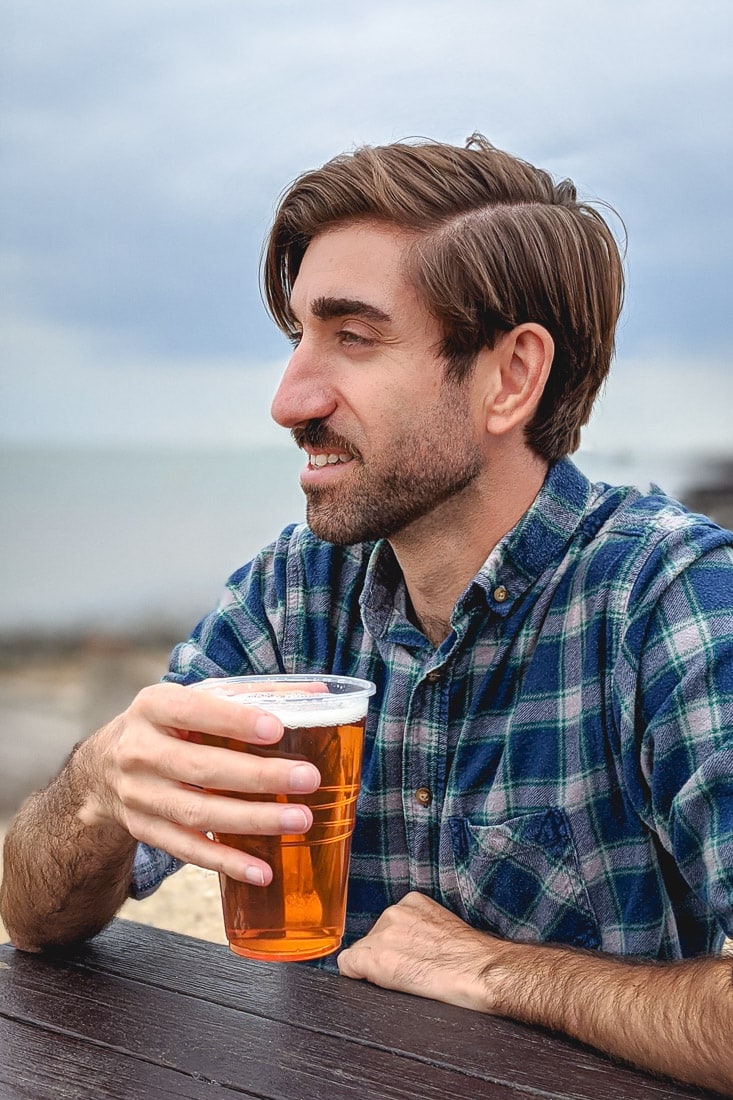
point(501, 976)
point(93, 801)
point(528, 982)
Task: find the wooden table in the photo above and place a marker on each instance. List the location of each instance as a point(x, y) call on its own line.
point(144, 1014)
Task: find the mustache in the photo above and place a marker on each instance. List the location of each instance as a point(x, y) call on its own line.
point(318, 436)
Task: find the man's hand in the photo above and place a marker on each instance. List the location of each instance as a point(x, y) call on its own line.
point(419, 947)
point(673, 1018)
point(149, 772)
point(147, 776)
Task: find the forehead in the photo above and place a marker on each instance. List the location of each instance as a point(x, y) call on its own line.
point(359, 261)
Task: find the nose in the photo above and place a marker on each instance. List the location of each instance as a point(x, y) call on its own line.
point(303, 393)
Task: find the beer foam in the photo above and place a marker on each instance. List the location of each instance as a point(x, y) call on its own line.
point(303, 709)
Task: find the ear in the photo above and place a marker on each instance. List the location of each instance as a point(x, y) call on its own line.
point(518, 371)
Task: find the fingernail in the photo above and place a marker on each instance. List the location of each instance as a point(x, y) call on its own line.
point(294, 820)
point(303, 778)
point(255, 876)
point(267, 728)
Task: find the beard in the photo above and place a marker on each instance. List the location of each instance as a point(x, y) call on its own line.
point(422, 466)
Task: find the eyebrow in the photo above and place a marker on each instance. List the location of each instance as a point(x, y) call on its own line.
point(328, 309)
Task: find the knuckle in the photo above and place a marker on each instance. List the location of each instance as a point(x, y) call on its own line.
point(203, 767)
point(189, 815)
point(138, 826)
point(185, 760)
point(175, 701)
point(220, 861)
point(130, 753)
point(128, 795)
point(253, 775)
point(180, 708)
point(145, 701)
point(189, 812)
point(188, 850)
point(145, 696)
point(261, 777)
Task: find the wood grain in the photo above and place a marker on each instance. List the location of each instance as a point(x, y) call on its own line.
point(139, 1002)
point(38, 1065)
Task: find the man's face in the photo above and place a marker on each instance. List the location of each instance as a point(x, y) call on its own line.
point(388, 439)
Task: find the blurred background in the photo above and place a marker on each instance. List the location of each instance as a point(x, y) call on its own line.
point(142, 148)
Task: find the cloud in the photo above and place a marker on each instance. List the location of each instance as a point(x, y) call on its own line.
point(67, 387)
point(145, 143)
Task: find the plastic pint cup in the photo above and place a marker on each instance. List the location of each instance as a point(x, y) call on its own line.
point(301, 914)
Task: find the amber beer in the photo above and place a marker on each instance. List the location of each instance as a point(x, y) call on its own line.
point(300, 915)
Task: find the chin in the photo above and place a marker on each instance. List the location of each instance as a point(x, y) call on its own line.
point(337, 536)
point(334, 529)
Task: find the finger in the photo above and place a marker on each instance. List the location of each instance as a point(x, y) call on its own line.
point(206, 812)
point(194, 847)
point(228, 770)
point(365, 961)
point(171, 706)
point(347, 962)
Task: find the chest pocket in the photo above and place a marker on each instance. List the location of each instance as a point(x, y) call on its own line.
point(521, 879)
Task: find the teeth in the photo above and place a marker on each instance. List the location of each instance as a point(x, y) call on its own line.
point(326, 460)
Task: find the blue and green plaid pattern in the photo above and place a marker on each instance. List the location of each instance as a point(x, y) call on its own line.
point(574, 732)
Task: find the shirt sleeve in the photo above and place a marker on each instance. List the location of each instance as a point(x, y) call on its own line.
point(150, 867)
point(678, 720)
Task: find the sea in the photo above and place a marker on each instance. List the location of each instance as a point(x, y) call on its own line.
point(136, 541)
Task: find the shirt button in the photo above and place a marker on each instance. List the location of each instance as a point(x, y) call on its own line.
point(500, 594)
point(423, 796)
point(433, 677)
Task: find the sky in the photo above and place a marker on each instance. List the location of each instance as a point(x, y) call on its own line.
point(143, 145)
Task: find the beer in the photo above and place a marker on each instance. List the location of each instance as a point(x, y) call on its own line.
point(300, 915)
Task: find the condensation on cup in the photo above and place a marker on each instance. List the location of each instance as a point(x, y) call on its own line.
point(301, 914)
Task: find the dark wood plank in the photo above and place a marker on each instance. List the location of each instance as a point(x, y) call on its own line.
point(493, 1050)
point(38, 1065)
point(197, 1037)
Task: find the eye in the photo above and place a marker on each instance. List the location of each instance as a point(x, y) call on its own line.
point(354, 339)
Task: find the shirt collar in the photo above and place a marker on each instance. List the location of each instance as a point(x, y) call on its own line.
point(535, 544)
point(384, 596)
point(538, 541)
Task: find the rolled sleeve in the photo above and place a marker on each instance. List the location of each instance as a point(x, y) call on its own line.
point(150, 867)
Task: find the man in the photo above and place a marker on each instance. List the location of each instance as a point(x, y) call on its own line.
point(545, 829)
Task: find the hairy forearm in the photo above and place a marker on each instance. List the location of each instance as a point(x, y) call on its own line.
point(67, 866)
point(675, 1019)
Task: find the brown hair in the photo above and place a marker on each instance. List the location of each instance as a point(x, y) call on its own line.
point(498, 243)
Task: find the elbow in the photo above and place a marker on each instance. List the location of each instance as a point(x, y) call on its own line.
point(21, 944)
point(32, 941)
point(28, 932)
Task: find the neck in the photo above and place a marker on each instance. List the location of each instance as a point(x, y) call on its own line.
point(441, 553)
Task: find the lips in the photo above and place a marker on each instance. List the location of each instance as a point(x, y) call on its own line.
point(317, 439)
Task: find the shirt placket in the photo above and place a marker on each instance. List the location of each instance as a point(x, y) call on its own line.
point(423, 782)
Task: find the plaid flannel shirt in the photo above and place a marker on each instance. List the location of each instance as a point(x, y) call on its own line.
point(561, 767)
